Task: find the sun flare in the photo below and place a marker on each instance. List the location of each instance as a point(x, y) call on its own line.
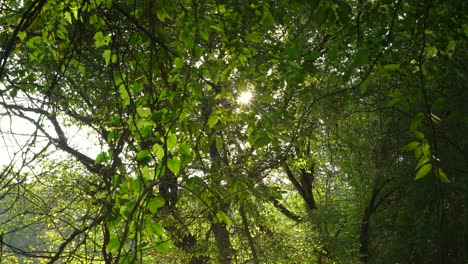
point(245, 97)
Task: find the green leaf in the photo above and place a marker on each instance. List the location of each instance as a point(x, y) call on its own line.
point(136, 185)
point(146, 131)
point(267, 18)
point(216, 28)
point(143, 111)
point(126, 209)
point(124, 96)
point(422, 161)
point(114, 244)
point(423, 171)
point(174, 164)
point(178, 65)
point(155, 228)
point(137, 87)
point(221, 9)
point(160, 116)
point(75, 12)
point(33, 42)
point(322, 14)
point(418, 153)
point(344, 12)
point(426, 148)
point(255, 37)
point(101, 39)
point(394, 102)
point(442, 176)
point(158, 150)
point(411, 146)
point(292, 52)
point(145, 173)
point(416, 122)
point(391, 67)
point(161, 14)
point(431, 52)
point(313, 55)
point(195, 183)
point(107, 56)
point(465, 30)
point(213, 120)
point(418, 134)
point(171, 141)
point(197, 52)
point(222, 217)
point(362, 58)
point(261, 140)
point(143, 154)
point(101, 158)
point(22, 35)
point(68, 17)
point(364, 85)
point(155, 203)
point(163, 246)
point(184, 149)
point(295, 65)
point(266, 98)
point(115, 180)
point(165, 94)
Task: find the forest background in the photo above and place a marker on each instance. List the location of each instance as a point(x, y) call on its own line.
point(215, 131)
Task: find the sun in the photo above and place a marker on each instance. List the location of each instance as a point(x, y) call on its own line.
point(245, 97)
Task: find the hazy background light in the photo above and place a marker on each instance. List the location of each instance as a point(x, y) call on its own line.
point(245, 97)
point(16, 136)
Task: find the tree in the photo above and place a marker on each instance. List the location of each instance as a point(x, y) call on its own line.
point(342, 92)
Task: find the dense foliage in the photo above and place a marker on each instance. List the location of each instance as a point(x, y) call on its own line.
point(211, 131)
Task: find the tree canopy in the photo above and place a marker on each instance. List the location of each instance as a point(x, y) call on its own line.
point(211, 131)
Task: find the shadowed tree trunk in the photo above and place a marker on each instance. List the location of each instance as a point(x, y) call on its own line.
point(223, 242)
point(245, 224)
point(364, 237)
point(303, 185)
point(374, 202)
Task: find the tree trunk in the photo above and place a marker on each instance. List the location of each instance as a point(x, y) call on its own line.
point(364, 238)
point(224, 244)
point(249, 236)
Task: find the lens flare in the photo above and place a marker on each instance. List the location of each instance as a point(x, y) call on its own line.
point(245, 97)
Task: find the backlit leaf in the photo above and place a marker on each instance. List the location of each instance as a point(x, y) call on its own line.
point(101, 158)
point(171, 141)
point(101, 39)
point(423, 171)
point(136, 185)
point(163, 246)
point(155, 228)
point(155, 203)
point(213, 120)
point(158, 150)
point(411, 146)
point(124, 96)
point(178, 65)
point(174, 164)
point(442, 176)
point(114, 244)
point(107, 56)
